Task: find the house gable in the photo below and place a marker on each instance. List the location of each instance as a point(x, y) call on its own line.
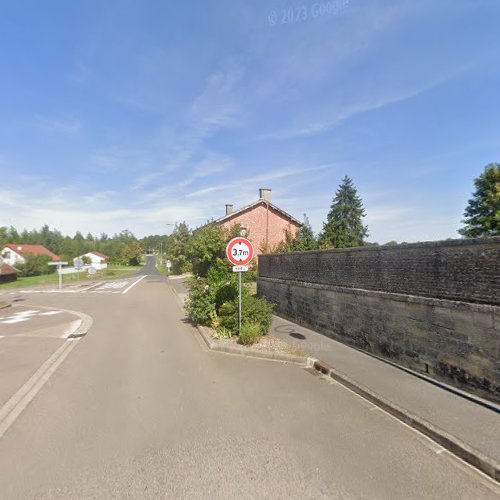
point(266, 224)
point(22, 251)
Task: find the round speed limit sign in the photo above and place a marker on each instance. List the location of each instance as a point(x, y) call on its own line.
point(239, 251)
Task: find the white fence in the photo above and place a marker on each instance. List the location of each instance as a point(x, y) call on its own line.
point(84, 269)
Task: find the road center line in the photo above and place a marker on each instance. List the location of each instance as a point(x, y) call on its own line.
point(133, 284)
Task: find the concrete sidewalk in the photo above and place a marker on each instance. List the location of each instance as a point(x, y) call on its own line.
point(476, 426)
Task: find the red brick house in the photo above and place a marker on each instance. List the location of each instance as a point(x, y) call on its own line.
point(265, 223)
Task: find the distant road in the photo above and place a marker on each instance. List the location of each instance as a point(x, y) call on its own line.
point(150, 268)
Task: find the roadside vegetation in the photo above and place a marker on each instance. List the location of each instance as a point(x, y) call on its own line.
point(482, 214)
point(53, 277)
point(123, 248)
point(213, 289)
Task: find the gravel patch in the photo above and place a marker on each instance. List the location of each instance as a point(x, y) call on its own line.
point(268, 343)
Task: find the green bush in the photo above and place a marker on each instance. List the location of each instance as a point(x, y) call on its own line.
point(180, 264)
point(200, 303)
point(223, 283)
point(250, 334)
point(254, 310)
point(35, 265)
point(219, 332)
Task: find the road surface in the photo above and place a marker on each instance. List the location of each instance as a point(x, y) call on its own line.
point(141, 409)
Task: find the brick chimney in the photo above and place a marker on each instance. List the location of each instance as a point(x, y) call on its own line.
point(265, 194)
point(229, 208)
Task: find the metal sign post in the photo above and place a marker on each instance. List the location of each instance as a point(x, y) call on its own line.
point(239, 303)
point(240, 253)
point(59, 267)
point(78, 266)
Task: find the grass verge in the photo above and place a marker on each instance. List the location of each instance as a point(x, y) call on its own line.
point(48, 279)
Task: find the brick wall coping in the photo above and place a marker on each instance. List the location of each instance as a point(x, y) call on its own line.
point(493, 240)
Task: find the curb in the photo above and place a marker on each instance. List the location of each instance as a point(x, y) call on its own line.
point(205, 333)
point(86, 321)
point(18, 402)
point(470, 455)
point(246, 352)
point(473, 457)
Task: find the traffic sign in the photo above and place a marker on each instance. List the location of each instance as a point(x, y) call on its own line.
point(240, 251)
point(169, 264)
point(78, 263)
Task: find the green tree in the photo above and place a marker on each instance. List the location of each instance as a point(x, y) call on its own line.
point(34, 265)
point(344, 226)
point(303, 241)
point(482, 214)
point(208, 248)
point(177, 248)
point(131, 253)
point(3, 236)
point(12, 235)
point(306, 239)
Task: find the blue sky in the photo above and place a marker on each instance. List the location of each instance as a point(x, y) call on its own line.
point(126, 114)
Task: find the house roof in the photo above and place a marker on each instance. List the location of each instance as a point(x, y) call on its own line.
point(24, 250)
point(5, 269)
point(255, 204)
point(99, 254)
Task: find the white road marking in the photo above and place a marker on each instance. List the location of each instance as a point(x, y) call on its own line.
point(114, 284)
point(111, 287)
point(21, 316)
point(134, 283)
point(22, 398)
point(14, 320)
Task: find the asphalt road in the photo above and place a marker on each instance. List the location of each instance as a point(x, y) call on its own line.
point(28, 336)
point(140, 409)
point(150, 268)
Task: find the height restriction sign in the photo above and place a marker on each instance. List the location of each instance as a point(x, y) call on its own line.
point(239, 251)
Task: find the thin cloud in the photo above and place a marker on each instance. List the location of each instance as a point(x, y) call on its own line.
point(70, 126)
point(351, 111)
point(269, 176)
point(217, 106)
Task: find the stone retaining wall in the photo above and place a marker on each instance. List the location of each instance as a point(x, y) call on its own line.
point(457, 341)
point(465, 270)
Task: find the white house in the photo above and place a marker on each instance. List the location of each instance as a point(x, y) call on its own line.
point(97, 259)
point(13, 253)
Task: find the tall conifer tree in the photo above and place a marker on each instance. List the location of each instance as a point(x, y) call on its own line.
point(482, 215)
point(344, 226)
